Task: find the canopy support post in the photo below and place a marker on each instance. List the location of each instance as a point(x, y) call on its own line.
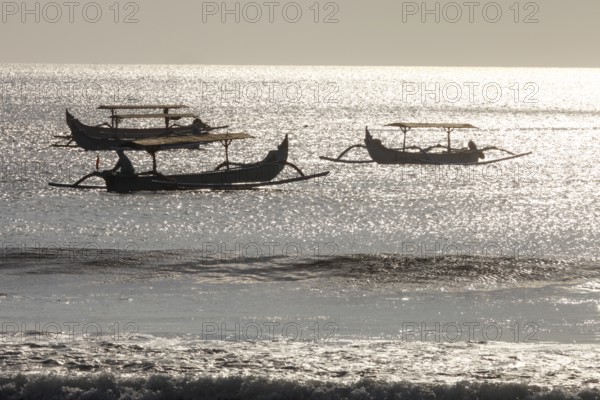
point(449, 130)
point(154, 162)
point(404, 130)
point(166, 111)
point(226, 144)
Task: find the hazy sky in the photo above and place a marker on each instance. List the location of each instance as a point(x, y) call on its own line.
point(546, 33)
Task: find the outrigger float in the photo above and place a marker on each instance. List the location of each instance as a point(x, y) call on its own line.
point(226, 176)
point(416, 155)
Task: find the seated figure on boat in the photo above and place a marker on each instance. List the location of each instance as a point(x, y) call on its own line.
point(473, 147)
point(124, 165)
point(199, 127)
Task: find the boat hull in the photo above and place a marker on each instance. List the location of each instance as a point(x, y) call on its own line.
point(383, 155)
point(102, 132)
point(90, 143)
point(108, 132)
point(126, 184)
point(263, 171)
point(82, 139)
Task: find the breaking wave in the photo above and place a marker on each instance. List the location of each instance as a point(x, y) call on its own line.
point(106, 386)
point(459, 271)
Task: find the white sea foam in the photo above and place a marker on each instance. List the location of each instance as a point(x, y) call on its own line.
point(339, 362)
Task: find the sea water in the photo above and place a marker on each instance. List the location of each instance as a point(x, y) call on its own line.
point(412, 281)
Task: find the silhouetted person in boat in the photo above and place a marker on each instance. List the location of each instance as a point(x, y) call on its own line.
point(473, 147)
point(124, 165)
point(199, 127)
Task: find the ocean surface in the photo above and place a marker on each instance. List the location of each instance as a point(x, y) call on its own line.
point(416, 282)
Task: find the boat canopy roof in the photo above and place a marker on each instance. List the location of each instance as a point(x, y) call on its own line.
point(143, 116)
point(190, 139)
point(140, 106)
point(430, 125)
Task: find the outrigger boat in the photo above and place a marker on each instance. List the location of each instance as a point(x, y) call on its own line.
point(113, 130)
point(416, 155)
point(226, 176)
point(82, 137)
